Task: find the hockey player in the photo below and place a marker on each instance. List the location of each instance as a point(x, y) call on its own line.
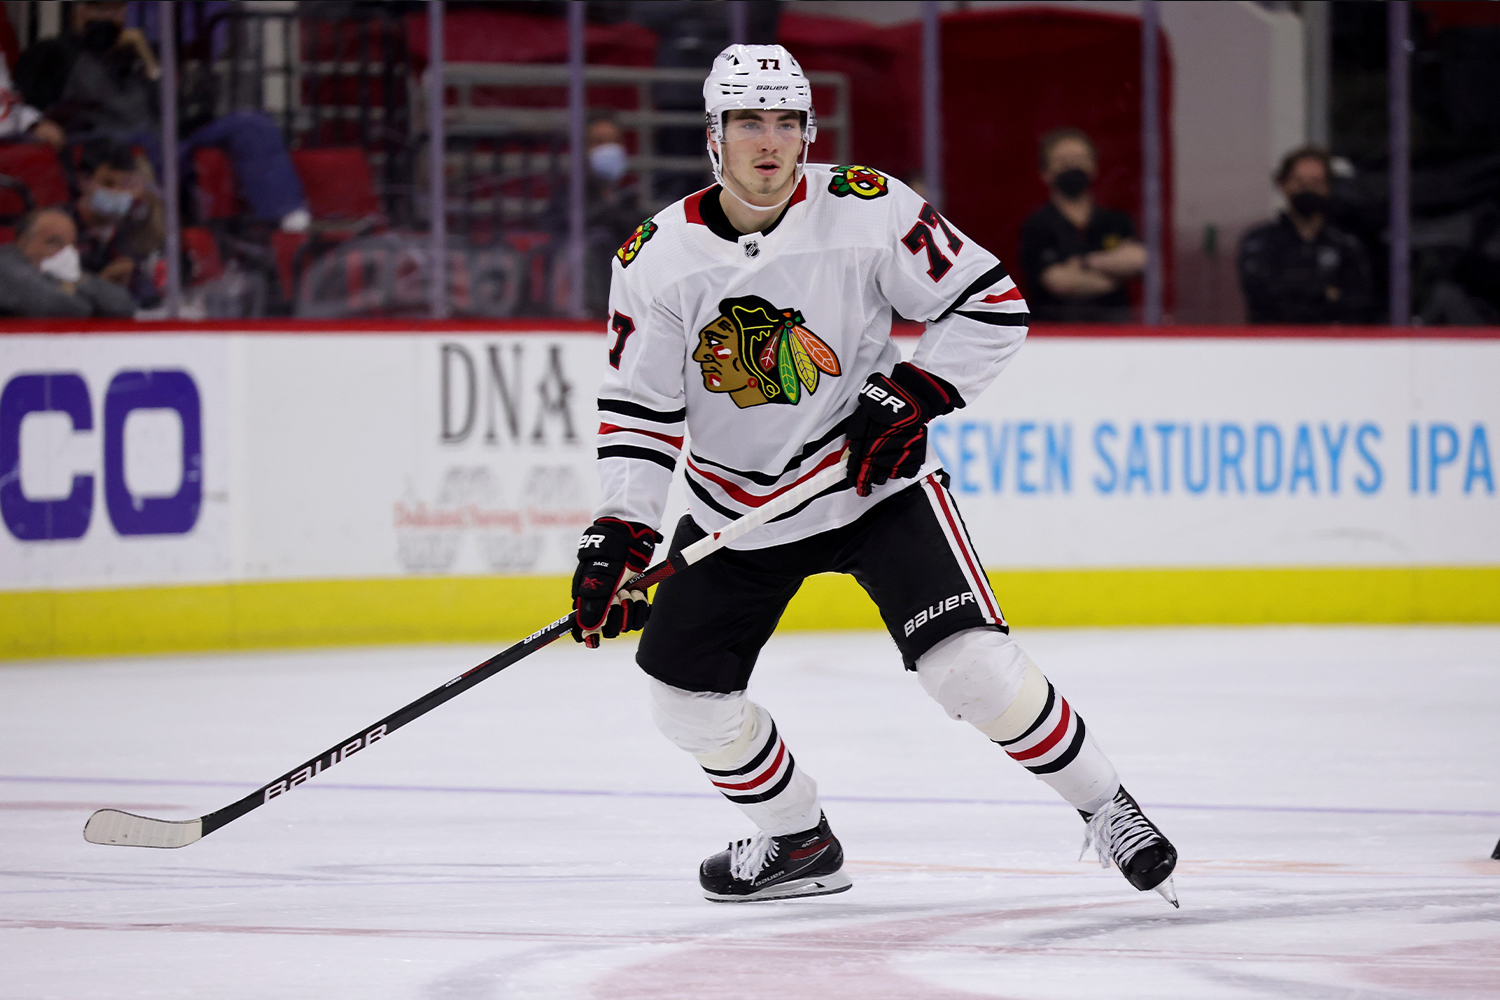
point(756, 314)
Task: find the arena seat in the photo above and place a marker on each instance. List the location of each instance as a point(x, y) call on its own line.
point(339, 184)
point(34, 165)
point(342, 200)
point(218, 196)
point(203, 253)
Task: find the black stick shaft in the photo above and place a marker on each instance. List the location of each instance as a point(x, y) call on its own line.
point(432, 699)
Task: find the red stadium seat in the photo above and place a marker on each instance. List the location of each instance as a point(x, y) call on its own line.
point(203, 253)
point(35, 165)
point(287, 250)
point(218, 196)
point(339, 184)
point(341, 198)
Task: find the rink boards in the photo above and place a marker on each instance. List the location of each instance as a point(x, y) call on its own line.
point(251, 487)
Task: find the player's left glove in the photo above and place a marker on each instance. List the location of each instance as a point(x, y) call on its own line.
point(888, 432)
point(610, 552)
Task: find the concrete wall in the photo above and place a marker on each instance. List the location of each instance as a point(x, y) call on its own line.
point(1239, 106)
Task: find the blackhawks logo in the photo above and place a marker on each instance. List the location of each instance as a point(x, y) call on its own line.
point(761, 354)
point(633, 243)
point(862, 182)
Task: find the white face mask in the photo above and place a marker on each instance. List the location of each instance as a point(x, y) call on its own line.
point(63, 265)
point(608, 161)
point(111, 204)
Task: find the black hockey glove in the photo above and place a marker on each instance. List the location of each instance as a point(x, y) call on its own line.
point(888, 432)
point(610, 552)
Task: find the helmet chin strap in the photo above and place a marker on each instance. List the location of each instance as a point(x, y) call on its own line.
point(797, 172)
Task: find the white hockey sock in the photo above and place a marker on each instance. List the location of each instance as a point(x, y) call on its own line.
point(736, 743)
point(980, 672)
point(1041, 731)
point(757, 773)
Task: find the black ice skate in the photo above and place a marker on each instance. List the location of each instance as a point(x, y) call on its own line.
point(1121, 833)
point(766, 867)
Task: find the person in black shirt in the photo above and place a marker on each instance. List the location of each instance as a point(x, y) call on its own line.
point(1298, 268)
point(611, 205)
point(1076, 255)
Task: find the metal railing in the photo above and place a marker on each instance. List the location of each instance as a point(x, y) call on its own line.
point(326, 81)
point(473, 123)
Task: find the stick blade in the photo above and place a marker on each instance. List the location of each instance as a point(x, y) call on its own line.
point(123, 829)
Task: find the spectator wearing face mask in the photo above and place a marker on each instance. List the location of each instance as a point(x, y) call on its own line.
point(1077, 256)
point(121, 222)
point(101, 78)
point(1298, 268)
point(40, 274)
point(612, 207)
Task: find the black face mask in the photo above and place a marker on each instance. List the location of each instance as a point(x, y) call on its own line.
point(1071, 183)
point(1309, 203)
point(100, 36)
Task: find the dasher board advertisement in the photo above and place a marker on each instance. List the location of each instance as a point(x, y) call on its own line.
point(161, 459)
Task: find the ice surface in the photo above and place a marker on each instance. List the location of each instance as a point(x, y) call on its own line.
point(1332, 792)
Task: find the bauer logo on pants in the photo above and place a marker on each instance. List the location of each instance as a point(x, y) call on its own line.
point(941, 607)
point(759, 353)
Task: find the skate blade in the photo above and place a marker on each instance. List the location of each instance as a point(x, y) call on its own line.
point(821, 885)
point(1169, 892)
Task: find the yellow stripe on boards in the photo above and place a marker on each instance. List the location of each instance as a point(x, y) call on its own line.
point(1072, 598)
point(277, 614)
point(495, 609)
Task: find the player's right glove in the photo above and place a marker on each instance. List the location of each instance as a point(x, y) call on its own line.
point(610, 552)
point(888, 431)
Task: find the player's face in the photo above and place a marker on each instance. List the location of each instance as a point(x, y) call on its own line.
point(718, 354)
point(760, 151)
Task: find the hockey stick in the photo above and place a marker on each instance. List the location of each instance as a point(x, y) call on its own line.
point(112, 826)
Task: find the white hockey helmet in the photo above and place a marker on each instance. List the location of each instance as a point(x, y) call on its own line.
point(758, 77)
point(763, 77)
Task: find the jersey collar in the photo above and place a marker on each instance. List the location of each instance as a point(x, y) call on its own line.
point(722, 240)
point(703, 209)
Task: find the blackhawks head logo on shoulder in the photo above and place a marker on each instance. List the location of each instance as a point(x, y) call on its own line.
point(862, 182)
point(761, 354)
point(633, 243)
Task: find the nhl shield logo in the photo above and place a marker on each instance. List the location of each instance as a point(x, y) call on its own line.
point(752, 248)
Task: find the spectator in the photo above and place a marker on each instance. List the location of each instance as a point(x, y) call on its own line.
point(1299, 268)
point(1077, 256)
point(121, 222)
point(40, 273)
point(100, 78)
point(611, 207)
point(613, 202)
point(20, 121)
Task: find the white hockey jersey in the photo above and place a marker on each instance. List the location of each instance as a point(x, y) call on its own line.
point(758, 348)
